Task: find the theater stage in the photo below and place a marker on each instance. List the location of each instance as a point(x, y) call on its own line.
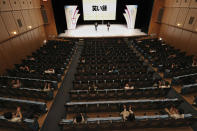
point(115, 30)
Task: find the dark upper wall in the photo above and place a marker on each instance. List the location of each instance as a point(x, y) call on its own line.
point(142, 20)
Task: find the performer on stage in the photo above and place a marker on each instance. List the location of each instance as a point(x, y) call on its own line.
point(96, 25)
point(108, 25)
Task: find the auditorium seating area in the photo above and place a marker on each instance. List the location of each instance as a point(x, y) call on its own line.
point(99, 90)
point(31, 84)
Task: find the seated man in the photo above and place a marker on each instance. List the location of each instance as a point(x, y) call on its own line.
point(174, 113)
point(24, 68)
point(79, 118)
point(50, 71)
point(127, 87)
point(113, 70)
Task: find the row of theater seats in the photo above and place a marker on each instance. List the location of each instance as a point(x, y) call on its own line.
point(104, 70)
point(29, 86)
point(116, 105)
point(172, 62)
point(107, 94)
point(166, 58)
point(117, 123)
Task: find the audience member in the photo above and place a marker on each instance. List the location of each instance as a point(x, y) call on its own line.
point(79, 118)
point(124, 113)
point(16, 84)
point(127, 87)
point(17, 116)
point(174, 113)
point(50, 71)
point(83, 60)
point(195, 101)
point(47, 86)
point(113, 70)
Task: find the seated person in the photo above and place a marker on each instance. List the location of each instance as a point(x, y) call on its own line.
point(32, 58)
point(79, 118)
point(47, 86)
point(124, 113)
point(131, 116)
point(50, 71)
point(113, 70)
point(194, 63)
point(24, 68)
point(127, 87)
point(83, 60)
point(162, 84)
point(16, 84)
point(14, 117)
point(174, 113)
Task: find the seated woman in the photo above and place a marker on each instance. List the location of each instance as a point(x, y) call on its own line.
point(124, 113)
point(174, 113)
point(113, 70)
point(79, 118)
point(47, 86)
point(127, 87)
point(17, 116)
point(16, 84)
point(50, 71)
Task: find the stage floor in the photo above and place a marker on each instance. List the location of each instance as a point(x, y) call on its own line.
point(115, 30)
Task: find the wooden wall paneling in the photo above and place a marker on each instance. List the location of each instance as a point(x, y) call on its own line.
point(192, 48)
point(177, 3)
point(9, 54)
point(185, 3)
point(176, 37)
point(3, 33)
point(170, 35)
point(3, 63)
point(40, 16)
point(181, 17)
point(19, 21)
point(27, 19)
point(33, 38)
point(195, 27)
point(43, 34)
point(190, 19)
point(166, 15)
point(31, 17)
point(9, 22)
point(17, 50)
point(163, 31)
point(15, 4)
point(5, 5)
point(184, 40)
point(36, 17)
point(25, 44)
point(173, 16)
point(193, 4)
point(31, 42)
point(168, 3)
point(30, 4)
point(24, 4)
point(36, 3)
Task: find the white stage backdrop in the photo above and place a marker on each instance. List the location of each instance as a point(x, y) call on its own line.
point(99, 9)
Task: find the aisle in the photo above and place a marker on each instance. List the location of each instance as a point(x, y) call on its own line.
point(57, 110)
